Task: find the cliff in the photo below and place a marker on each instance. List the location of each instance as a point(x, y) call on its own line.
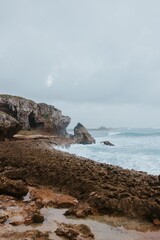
point(8, 126)
point(32, 115)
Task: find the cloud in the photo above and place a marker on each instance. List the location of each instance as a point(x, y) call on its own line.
point(83, 52)
point(49, 81)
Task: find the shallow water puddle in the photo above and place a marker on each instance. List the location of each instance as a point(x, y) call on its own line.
point(101, 231)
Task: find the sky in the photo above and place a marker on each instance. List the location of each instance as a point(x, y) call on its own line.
point(96, 60)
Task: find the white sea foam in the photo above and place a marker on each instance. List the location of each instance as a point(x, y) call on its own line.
point(113, 133)
point(137, 149)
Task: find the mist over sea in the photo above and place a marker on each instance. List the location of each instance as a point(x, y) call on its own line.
point(134, 148)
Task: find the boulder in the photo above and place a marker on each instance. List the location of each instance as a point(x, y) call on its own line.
point(13, 188)
point(82, 136)
point(35, 116)
point(81, 210)
point(8, 126)
point(8, 232)
point(108, 143)
point(47, 197)
point(37, 217)
point(3, 218)
point(74, 231)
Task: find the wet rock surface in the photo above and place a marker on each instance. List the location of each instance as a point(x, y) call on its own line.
point(81, 210)
point(11, 187)
point(37, 217)
point(16, 226)
point(74, 232)
point(3, 218)
point(18, 212)
point(48, 197)
point(9, 234)
point(107, 143)
point(104, 188)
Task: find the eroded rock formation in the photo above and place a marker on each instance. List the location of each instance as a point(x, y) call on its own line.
point(8, 126)
point(108, 143)
point(82, 136)
point(74, 231)
point(104, 188)
point(11, 187)
point(34, 116)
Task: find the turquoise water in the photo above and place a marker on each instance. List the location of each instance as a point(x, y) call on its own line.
point(137, 149)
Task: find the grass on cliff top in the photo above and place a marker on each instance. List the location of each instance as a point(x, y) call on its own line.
point(7, 96)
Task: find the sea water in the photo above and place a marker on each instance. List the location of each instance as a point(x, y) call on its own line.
point(137, 149)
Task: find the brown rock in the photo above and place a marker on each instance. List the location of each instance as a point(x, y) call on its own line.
point(36, 235)
point(47, 197)
point(81, 210)
point(155, 219)
point(10, 234)
point(13, 188)
point(3, 218)
point(74, 232)
point(82, 136)
point(106, 188)
point(156, 222)
point(37, 217)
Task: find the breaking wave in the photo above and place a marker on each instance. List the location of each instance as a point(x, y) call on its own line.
point(134, 149)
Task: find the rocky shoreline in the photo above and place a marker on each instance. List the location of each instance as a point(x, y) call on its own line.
point(57, 179)
point(36, 179)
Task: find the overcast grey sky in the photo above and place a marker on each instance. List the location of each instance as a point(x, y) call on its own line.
point(96, 60)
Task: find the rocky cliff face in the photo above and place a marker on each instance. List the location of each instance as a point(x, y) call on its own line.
point(8, 126)
point(34, 116)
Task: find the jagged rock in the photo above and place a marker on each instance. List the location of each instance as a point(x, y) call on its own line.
point(12, 188)
point(108, 143)
point(53, 119)
point(82, 136)
point(3, 218)
point(37, 217)
point(8, 126)
point(8, 232)
point(107, 189)
point(47, 197)
point(34, 116)
point(155, 219)
point(74, 231)
point(81, 210)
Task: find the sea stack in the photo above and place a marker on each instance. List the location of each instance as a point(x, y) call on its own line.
point(82, 136)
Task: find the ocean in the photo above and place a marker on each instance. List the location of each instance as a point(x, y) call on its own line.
point(135, 148)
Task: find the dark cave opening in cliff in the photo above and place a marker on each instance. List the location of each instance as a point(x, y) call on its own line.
point(33, 123)
point(11, 110)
